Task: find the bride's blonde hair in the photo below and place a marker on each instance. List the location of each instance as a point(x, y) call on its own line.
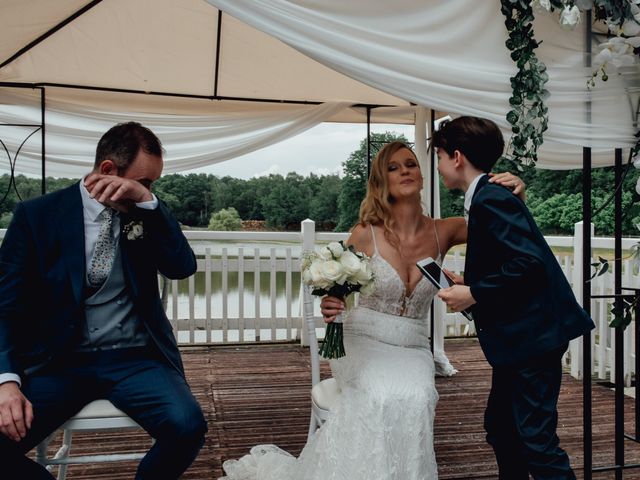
point(376, 206)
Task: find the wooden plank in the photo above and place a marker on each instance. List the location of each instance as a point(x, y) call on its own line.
point(254, 394)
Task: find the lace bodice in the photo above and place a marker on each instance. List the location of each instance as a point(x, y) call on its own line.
point(390, 292)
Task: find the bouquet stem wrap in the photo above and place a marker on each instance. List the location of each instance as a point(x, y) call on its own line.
point(333, 345)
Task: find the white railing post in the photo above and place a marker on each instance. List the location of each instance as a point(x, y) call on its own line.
point(575, 279)
point(308, 234)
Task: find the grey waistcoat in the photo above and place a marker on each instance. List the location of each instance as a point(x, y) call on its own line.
point(111, 318)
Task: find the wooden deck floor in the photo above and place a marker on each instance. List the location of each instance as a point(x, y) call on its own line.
point(260, 394)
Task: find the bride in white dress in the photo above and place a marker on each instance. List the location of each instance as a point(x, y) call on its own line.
point(382, 427)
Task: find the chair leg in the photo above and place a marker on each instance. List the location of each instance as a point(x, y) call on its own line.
point(64, 452)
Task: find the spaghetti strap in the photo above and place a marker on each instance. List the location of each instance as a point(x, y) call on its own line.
point(435, 229)
point(373, 235)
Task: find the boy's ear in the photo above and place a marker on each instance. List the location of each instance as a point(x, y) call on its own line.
point(458, 158)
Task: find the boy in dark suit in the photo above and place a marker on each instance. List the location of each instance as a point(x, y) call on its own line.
point(524, 309)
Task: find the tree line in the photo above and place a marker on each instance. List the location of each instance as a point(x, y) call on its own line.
point(332, 201)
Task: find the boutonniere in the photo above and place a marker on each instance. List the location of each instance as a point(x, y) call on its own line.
point(133, 230)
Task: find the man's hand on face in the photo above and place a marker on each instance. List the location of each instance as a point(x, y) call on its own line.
point(16, 412)
point(116, 192)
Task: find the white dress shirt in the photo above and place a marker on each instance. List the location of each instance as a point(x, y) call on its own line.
point(468, 195)
point(91, 210)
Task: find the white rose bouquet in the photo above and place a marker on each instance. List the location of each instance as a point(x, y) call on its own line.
point(337, 270)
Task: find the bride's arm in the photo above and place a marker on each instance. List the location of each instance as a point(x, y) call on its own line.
point(456, 227)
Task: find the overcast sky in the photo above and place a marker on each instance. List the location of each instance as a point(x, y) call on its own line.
point(320, 150)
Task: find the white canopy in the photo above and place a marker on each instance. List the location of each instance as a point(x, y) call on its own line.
point(248, 73)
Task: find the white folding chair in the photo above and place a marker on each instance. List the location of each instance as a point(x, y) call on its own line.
point(325, 393)
point(97, 415)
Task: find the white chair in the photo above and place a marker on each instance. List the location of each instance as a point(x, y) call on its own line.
point(97, 415)
point(325, 393)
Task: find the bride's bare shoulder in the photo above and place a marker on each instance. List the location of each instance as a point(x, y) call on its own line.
point(361, 239)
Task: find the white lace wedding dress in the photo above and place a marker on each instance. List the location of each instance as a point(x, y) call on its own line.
point(382, 428)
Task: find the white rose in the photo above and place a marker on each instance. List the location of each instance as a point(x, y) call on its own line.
point(307, 277)
point(317, 276)
point(631, 28)
point(541, 5)
point(333, 272)
point(363, 276)
point(638, 186)
point(325, 254)
point(135, 232)
point(336, 249)
point(350, 262)
point(636, 162)
point(569, 17)
point(367, 289)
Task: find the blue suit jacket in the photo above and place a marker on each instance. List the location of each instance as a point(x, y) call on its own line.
point(525, 306)
point(42, 278)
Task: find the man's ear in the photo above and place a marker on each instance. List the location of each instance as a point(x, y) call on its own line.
point(108, 167)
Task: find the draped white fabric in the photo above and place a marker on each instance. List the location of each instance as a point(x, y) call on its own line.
point(450, 55)
point(73, 131)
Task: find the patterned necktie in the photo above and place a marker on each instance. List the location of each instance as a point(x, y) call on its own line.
point(104, 252)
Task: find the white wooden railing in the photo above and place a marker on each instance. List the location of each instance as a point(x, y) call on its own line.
point(229, 320)
point(233, 266)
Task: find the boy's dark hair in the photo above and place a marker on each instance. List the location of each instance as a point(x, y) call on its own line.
point(122, 143)
point(479, 139)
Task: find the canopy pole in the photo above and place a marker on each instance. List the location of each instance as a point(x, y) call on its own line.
point(217, 65)
point(586, 275)
point(432, 159)
point(368, 141)
point(42, 135)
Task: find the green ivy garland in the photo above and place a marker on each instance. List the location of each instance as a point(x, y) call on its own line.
point(528, 116)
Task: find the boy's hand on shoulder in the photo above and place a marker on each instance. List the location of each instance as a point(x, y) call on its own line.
point(457, 297)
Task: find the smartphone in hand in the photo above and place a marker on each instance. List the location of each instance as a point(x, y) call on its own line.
point(437, 276)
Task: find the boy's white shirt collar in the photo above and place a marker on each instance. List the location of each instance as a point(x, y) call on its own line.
point(468, 195)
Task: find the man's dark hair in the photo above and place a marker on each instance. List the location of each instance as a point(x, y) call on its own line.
point(123, 142)
point(479, 139)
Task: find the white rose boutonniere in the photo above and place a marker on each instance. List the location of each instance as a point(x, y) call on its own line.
point(133, 230)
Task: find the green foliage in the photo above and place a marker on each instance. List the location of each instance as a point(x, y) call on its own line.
point(354, 182)
point(226, 219)
point(528, 116)
point(323, 208)
point(287, 202)
point(5, 219)
point(194, 194)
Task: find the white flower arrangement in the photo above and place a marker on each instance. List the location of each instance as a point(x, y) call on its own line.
point(337, 270)
point(133, 230)
point(570, 17)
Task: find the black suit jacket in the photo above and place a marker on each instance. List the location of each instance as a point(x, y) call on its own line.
point(525, 306)
point(42, 278)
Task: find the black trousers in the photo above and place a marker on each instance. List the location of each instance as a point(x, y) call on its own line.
point(136, 380)
point(521, 420)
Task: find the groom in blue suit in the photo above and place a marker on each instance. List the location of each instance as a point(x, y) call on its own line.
point(523, 307)
point(80, 313)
